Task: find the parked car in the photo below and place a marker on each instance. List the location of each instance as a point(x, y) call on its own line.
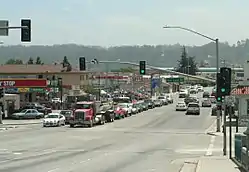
point(28, 114)
point(158, 103)
point(150, 103)
point(193, 108)
point(163, 99)
point(181, 106)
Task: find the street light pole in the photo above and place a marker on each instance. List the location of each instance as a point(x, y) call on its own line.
point(217, 60)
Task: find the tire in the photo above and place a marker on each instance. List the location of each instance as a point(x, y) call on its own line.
point(71, 125)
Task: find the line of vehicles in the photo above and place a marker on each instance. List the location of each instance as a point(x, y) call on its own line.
point(189, 102)
point(90, 113)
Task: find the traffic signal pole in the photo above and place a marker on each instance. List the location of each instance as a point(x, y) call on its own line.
point(219, 105)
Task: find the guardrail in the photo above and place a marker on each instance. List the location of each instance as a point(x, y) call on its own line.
point(242, 151)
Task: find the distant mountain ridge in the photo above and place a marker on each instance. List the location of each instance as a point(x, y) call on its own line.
point(160, 55)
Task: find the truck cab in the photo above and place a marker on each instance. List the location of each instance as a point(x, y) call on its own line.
point(87, 113)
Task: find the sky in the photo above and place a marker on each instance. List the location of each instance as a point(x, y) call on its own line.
point(127, 22)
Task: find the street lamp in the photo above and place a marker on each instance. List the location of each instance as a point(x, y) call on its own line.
point(217, 58)
point(61, 91)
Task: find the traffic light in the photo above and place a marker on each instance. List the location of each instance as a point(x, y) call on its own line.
point(142, 67)
point(26, 32)
point(218, 89)
point(82, 62)
point(225, 81)
point(1, 92)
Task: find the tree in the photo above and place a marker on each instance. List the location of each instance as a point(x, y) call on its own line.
point(38, 60)
point(30, 61)
point(14, 61)
point(65, 61)
point(187, 64)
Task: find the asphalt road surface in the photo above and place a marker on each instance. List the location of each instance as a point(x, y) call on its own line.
point(157, 140)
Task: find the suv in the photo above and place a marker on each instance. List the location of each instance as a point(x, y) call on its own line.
point(193, 108)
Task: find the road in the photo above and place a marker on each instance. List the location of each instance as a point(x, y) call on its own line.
point(157, 140)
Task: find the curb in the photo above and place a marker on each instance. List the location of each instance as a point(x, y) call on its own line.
point(32, 123)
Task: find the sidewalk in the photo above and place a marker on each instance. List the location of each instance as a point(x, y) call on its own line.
point(8, 122)
point(216, 164)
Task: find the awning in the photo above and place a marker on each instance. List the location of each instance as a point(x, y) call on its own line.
point(240, 91)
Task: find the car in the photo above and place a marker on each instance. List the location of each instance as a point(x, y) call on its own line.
point(206, 94)
point(193, 108)
point(206, 103)
point(181, 106)
point(200, 89)
point(28, 114)
point(212, 99)
point(169, 98)
point(56, 100)
point(214, 111)
point(54, 119)
point(158, 103)
point(67, 114)
point(126, 107)
point(150, 103)
point(193, 91)
point(164, 100)
point(190, 100)
point(134, 109)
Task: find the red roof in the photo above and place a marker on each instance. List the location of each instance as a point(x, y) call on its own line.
point(241, 91)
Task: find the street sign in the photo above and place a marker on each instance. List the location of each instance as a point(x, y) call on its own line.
point(174, 79)
point(4, 24)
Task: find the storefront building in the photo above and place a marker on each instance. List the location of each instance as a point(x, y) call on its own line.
point(28, 89)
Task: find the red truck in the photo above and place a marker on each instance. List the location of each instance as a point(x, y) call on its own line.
point(87, 113)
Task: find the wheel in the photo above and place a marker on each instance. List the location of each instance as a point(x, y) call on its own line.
point(71, 125)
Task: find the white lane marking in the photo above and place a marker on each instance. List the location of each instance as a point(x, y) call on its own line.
point(211, 127)
point(211, 146)
point(53, 170)
point(17, 153)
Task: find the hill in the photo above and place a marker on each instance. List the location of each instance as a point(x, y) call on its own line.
point(160, 55)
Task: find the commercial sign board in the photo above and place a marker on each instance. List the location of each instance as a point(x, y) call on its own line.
point(27, 83)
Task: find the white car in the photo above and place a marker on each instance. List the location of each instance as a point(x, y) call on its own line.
point(54, 119)
point(181, 106)
point(134, 108)
point(56, 100)
point(127, 107)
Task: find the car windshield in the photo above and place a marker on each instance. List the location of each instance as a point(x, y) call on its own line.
point(193, 105)
point(52, 116)
point(147, 101)
point(161, 97)
point(122, 105)
point(182, 95)
point(66, 113)
point(181, 103)
point(24, 111)
point(83, 106)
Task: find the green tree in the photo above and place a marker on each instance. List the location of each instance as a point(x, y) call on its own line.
point(38, 60)
point(30, 61)
point(14, 61)
point(187, 64)
point(91, 90)
point(65, 61)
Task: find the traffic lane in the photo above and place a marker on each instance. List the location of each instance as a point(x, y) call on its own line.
point(140, 120)
point(119, 151)
point(180, 121)
point(37, 139)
